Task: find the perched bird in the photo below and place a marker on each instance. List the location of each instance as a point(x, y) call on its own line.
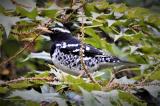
point(65, 52)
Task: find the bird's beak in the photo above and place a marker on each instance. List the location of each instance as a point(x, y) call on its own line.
point(43, 30)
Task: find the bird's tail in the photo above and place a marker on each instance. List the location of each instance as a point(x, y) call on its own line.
point(128, 63)
point(114, 61)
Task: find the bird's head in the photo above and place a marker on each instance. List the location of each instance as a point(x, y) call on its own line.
point(54, 28)
point(56, 31)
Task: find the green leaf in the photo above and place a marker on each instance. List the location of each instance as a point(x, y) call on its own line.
point(42, 55)
point(107, 98)
point(6, 46)
point(137, 58)
point(124, 80)
point(20, 85)
point(63, 3)
point(131, 99)
point(7, 22)
point(75, 83)
point(101, 5)
point(2, 9)
point(155, 75)
point(7, 4)
point(89, 99)
point(30, 14)
point(44, 74)
point(112, 98)
point(117, 51)
point(89, 7)
point(47, 95)
point(49, 13)
point(154, 89)
point(3, 90)
point(96, 38)
point(29, 4)
point(137, 12)
point(149, 50)
point(119, 7)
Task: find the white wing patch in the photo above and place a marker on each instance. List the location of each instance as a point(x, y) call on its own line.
point(58, 44)
point(64, 45)
point(72, 45)
point(87, 48)
point(61, 30)
point(76, 50)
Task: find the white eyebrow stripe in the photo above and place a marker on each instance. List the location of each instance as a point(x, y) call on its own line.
point(60, 24)
point(58, 44)
point(62, 30)
point(72, 45)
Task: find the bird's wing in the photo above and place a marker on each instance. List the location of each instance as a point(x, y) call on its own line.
point(74, 48)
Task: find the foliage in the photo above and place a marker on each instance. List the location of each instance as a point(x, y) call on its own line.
point(130, 33)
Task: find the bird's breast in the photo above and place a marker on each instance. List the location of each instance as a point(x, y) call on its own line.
point(71, 63)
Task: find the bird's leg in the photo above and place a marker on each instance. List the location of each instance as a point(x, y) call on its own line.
point(81, 73)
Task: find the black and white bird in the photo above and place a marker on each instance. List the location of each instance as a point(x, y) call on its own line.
point(65, 52)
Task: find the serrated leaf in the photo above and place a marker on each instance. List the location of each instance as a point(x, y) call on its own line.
point(124, 80)
point(20, 85)
point(133, 49)
point(30, 4)
point(96, 40)
point(110, 22)
point(47, 89)
point(118, 15)
point(131, 99)
point(117, 51)
point(106, 98)
point(112, 98)
point(116, 37)
point(30, 14)
point(38, 97)
point(154, 90)
point(74, 97)
point(143, 67)
point(41, 55)
point(3, 90)
point(7, 4)
point(75, 83)
point(95, 15)
point(49, 13)
point(7, 22)
point(89, 99)
point(7, 47)
point(89, 7)
point(119, 7)
point(155, 75)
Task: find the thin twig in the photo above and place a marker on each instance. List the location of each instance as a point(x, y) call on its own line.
point(93, 26)
point(48, 79)
point(82, 54)
point(70, 15)
point(36, 32)
point(19, 52)
point(128, 87)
